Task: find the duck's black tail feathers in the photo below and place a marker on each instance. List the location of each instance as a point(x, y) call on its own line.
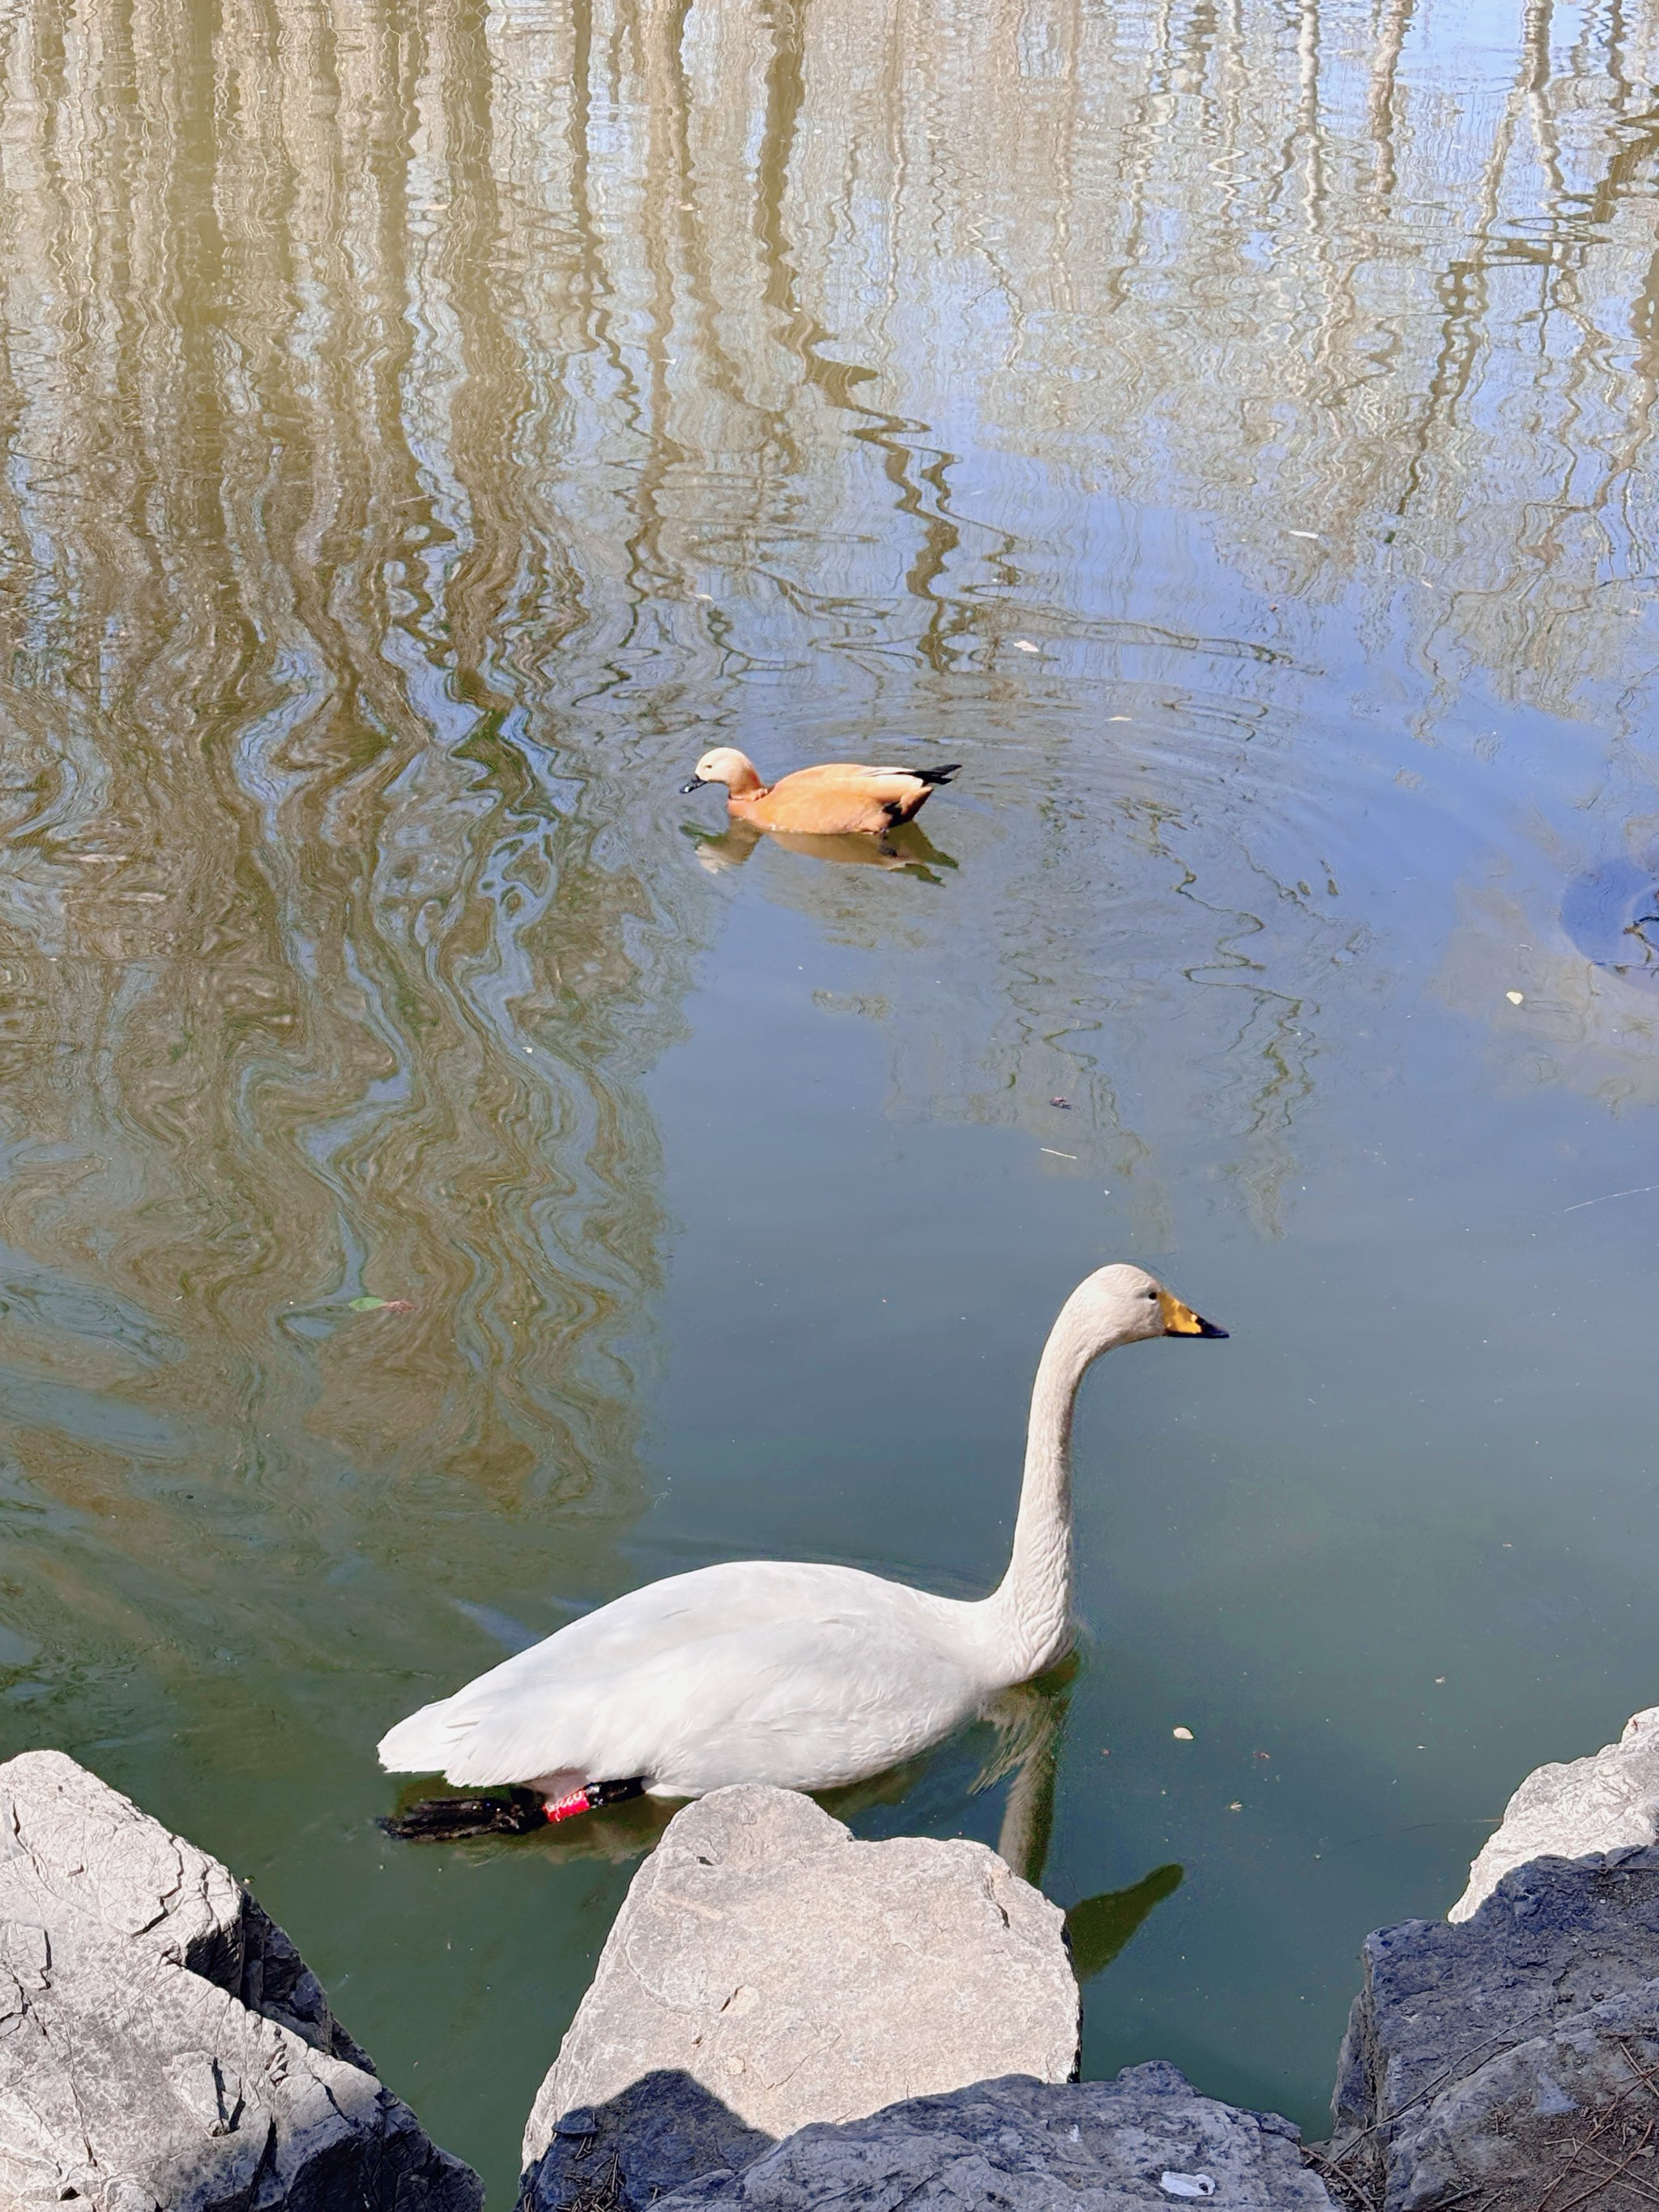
point(935, 774)
point(446, 1819)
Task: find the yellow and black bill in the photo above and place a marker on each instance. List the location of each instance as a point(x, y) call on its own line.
point(1180, 1319)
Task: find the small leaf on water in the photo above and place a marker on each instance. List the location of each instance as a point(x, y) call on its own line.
point(367, 1305)
point(1181, 1734)
point(1515, 998)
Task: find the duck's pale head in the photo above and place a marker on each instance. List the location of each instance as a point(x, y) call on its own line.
point(1123, 1305)
point(726, 765)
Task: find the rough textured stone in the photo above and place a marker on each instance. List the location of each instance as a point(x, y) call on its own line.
point(161, 2041)
point(1573, 1809)
point(797, 1975)
point(1502, 2061)
point(628, 2153)
point(1026, 2145)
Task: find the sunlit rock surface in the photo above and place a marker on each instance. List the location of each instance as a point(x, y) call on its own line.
point(161, 2042)
point(772, 1972)
point(1570, 1810)
point(1506, 2062)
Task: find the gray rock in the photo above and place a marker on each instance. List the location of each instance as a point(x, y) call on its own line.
point(161, 2042)
point(1572, 1809)
point(1146, 2139)
point(793, 1975)
point(628, 2153)
point(1502, 2060)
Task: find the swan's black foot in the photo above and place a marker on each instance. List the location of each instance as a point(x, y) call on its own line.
point(446, 1819)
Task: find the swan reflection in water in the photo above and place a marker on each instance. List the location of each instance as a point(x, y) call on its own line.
point(907, 849)
point(1096, 1927)
point(1028, 1724)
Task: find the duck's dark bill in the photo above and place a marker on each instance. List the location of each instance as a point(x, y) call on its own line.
point(695, 784)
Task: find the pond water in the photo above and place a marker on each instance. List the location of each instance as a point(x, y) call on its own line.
point(1228, 433)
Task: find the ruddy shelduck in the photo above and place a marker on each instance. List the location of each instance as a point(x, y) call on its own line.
point(820, 802)
point(804, 1675)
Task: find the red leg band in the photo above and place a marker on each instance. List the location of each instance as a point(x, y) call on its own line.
point(567, 1807)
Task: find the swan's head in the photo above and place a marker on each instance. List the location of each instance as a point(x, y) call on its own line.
point(1121, 1305)
point(726, 765)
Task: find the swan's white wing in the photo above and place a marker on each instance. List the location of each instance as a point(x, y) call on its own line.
point(810, 1704)
point(752, 1671)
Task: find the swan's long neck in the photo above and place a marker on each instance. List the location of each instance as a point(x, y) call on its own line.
point(1033, 1599)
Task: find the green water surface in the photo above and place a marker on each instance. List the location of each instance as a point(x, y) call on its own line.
point(1228, 431)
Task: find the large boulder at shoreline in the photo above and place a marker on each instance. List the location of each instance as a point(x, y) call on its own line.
point(1147, 2139)
point(767, 1971)
point(162, 2043)
point(1574, 1808)
point(1501, 2062)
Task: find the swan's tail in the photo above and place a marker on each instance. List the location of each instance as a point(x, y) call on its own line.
point(421, 1744)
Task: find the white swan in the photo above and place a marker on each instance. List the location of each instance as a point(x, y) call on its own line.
point(801, 1675)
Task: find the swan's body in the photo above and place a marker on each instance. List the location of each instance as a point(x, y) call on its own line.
point(756, 1671)
point(828, 801)
point(801, 1675)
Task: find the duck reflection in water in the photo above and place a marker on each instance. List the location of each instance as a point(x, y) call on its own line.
point(907, 850)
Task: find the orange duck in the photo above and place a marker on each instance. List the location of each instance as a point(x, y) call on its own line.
point(820, 802)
